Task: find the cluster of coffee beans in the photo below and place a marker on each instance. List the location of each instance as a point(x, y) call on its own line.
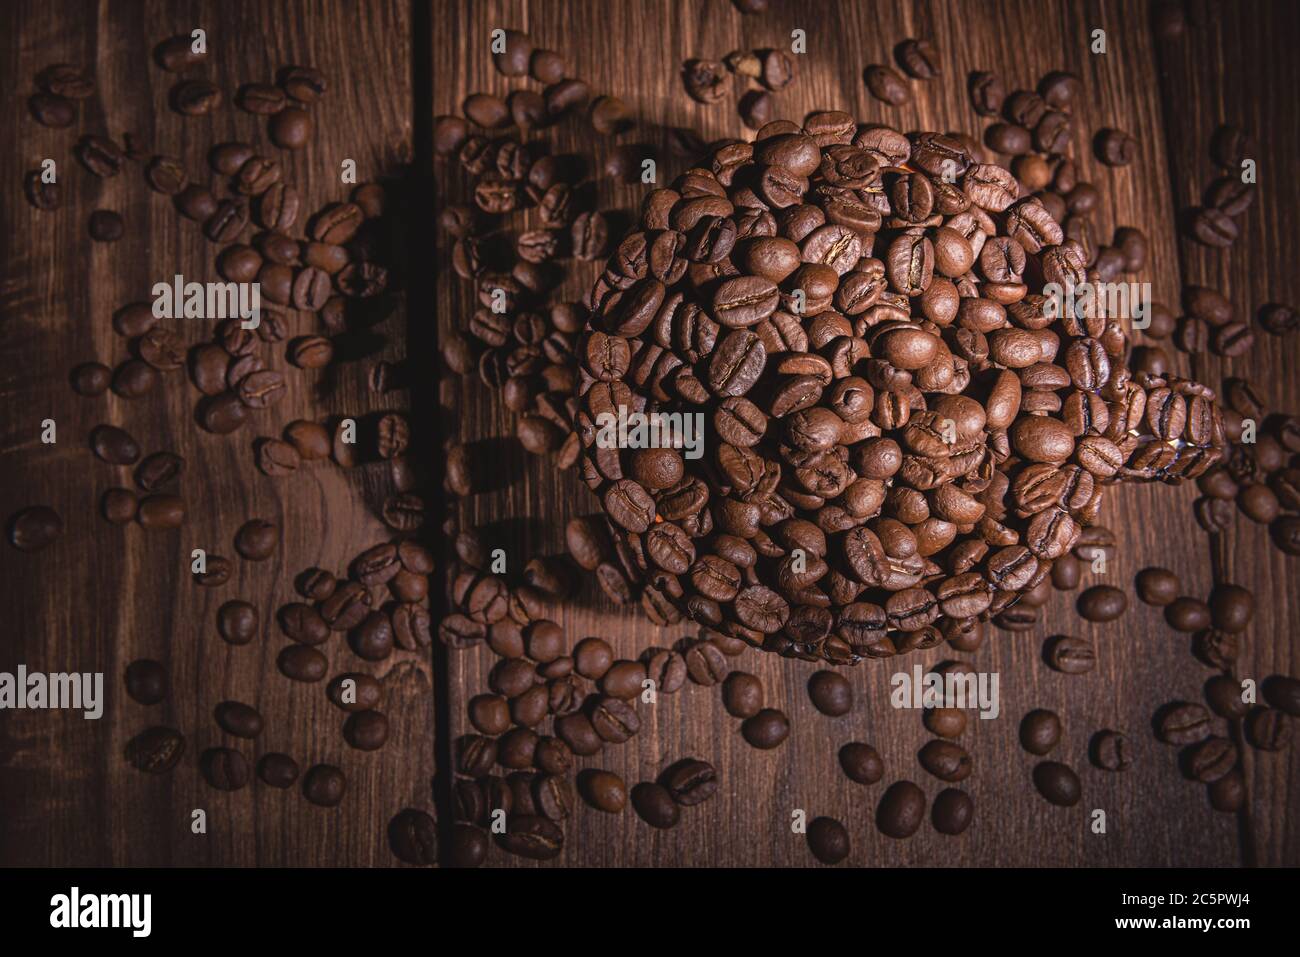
point(517, 342)
point(895, 453)
point(1217, 625)
point(1036, 130)
point(1214, 223)
point(1258, 475)
point(919, 59)
point(708, 81)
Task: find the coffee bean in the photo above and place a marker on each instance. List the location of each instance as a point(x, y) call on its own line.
point(1213, 227)
point(952, 811)
point(238, 719)
point(533, 837)
point(1268, 729)
point(1109, 750)
point(742, 695)
point(1157, 586)
point(767, 729)
point(1182, 723)
point(861, 763)
point(1115, 147)
point(324, 785)
point(238, 622)
point(987, 93)
point(946, 760)
point(831, 693)
point(1057, 783)
point(603, 790)
point(654, 804)
point(113, 445)
point(155, 750)
point(919, 58)
point(146, 681)
point(34, 528)
point(1102, 603)
point(886, 85)
point(705, 80)
point(277, 770)
point(42, 195)
point(1188, 614)
point(301, 663)
point(1040, 731)
point(195, 97)
point(100, 156)
point(224, 769)
point(901, 810)
point(1209, 760)
point(366, 730)
point(828, 840)
point(1070, 655)
point(690, 781)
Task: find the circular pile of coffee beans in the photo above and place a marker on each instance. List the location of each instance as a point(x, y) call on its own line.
point(900, 436)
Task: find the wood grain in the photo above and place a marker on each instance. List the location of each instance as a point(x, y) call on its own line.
point(104, 595)
point(1154, 816)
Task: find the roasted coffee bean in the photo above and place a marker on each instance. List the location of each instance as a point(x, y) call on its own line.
point(952, 811)
point(146, 681)
point(1070, 655)
point(1268, 729)
point(828, 840)
point(34, 528)
point(1210, 759)
point(324, 785)
point(705, 80)
point(1109, 750)
point(100, 155)
point(1182, 723)
point(413, 836)
point(1115, 147)
point(1157, 586)
point(41, 194)
point(532, 836)
point(690, 781)
point(603, 790)
point(256, 539)
point(304, 83)
point(1102, 603)
point(277, 770)
point(767, 729)
point(742, 695)
point(886, 85)
point(195, 97)
point(831, 693)
point(224, 768)
point(901, 810)
point(654, 804)
point(1057, 783)
point(155, 750)
point(366, 730)
point(238, 719)
point(1188, 614)
point(1040, 731)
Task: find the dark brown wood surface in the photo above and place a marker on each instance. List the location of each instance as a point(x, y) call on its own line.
point(105, 596)
point(1154, 816)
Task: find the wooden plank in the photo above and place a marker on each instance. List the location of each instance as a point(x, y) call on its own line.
point(1229, 66)
point(1155, 817)
point(106, 595)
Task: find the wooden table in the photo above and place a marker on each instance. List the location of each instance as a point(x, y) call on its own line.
point(105, 596)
